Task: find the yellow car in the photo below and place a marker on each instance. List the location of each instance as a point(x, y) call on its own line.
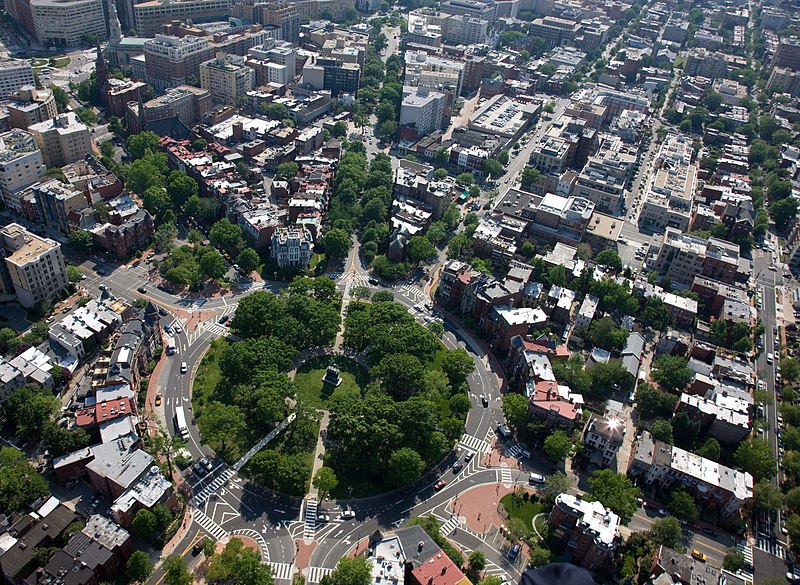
point(699, 556)
point(158, 399)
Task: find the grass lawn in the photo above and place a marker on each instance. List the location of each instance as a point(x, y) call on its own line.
point(311, 390)
point(519, 508)
point(60, 62)
point(208, 375)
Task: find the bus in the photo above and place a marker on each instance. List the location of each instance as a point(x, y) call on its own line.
point(180, 423)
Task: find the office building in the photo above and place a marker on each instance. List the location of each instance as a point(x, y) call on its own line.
point(587, 530)
point(605, 176)
point(62, 140)
point(282, 14)
point(15, 75)
point(421, 110)
point(227, 78)
point(555, 31)
point(149, 16)
point(172, 61)
point(67, 22)
point(683, 256)
point(788, 54)
point(30, 106)
point(33, 268)
point(670, 194)
point(333, 75)
point(292, 246)
point(21, 165)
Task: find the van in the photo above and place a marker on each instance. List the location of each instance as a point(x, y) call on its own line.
point(503, 431)
point(536, 478)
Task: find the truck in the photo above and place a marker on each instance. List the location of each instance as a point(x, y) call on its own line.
point(180, 423)
point(171, 347)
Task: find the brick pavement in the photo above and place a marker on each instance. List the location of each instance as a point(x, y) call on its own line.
point(304, 551)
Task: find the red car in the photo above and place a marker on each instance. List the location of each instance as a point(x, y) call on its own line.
point(440, 484)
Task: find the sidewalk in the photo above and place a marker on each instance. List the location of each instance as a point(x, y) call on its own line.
point(319, 452)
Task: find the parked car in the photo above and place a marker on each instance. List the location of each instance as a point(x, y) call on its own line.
point(162, 311)
point(457, 466)
point(206, 463)
point(199, 470)
point(711, 532)
point(71, 483)
point(439, 484)
point(168, 328)
point(158, 399)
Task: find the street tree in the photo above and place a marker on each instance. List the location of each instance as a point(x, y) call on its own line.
point(212, 264)
point(350, 571)
point(325, 481)
point(557, 445)
point(477, 561)
point(755, 455)
point(515, 410)
point(457, 364)
point(609, 258)
point(554, 484)
point(405, 466)
point(139, 144)
point(734, 559)
point(616, 492)
point(180, 187)
point(220, 423)
point(768, 496)
point(337, 243)
point(653, 402)
point(238, 565)
point(248, 260)
point(225, 235)
point(420, 249)
point(175, 571)
point(139, 566)
point(682, 506)
point(81, 240)
point(144, 524)
point(666, 532)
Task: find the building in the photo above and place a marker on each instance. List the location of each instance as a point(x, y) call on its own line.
point(281, 13)
point(788, 54)
point(333, 75)
point(21, 165)
point(186, 103)
point(555, 31)
point(587, 530)
point(15, 75)
point(421, 110)
point(149, 16)
point(55, 201)
point(85, 328)
point(30, 106)
point(603, 437)
point(437, 570)
point(170, 61)
point(723, 417)
point(67, 22)
point(554, 403)
point(683, 256)
point(714, 485)
point(605, 176)
point(585, 315)
point(670, 194)
point(503, 116)
point(62, 140)
point(227, 78)
point(704, 63)
point(292, 246)
point(33, 268)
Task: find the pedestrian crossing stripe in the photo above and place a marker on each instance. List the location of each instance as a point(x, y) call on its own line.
point(212, 487)
point(282, 571)
point(450, 525)
point(473, 443)
point(209, 525)
point(505, 475)
point(315, 574)
point(310, 518)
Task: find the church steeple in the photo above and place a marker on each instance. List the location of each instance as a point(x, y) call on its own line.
point(114, 27)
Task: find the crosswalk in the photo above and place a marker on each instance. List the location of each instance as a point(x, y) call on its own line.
point(411, 292)
point(747, 551)
point(504, 475)
point(282, 571)
point(310, 519)
point(450, 525)
point(775, 549)
point(209, 525)
point(315, 574)
point(513, 451)
point(212, 487)
point(474, 444)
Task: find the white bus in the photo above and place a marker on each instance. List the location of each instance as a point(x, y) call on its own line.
point(180, 423)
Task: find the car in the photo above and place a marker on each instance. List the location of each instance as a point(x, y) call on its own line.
point(348, 514)
point(96, 501)
point(158, 399)
point(184, 368)
point(661, 512)
point(142, 290)
point(65, 310)
point(51, 319)
point(74, 407)
point(168, 328)
point(773, 268)
point(71, 483)
point(695, 526)
point(162, 311)
point(439, 485)
point(323, 518)
point(206, 463)
point(457, 466)
point(223, 319)
point(696, 554)
point(484, 400)
point(374, 281)
point(198, 547)
point(199, 470)
point(711, 532)
point(177, 328)
point(468, 457)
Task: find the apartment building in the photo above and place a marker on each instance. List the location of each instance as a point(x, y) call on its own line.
point(280, 13)
point(683, 256)
point(62, 140)
point(555, 31)
point(587, 530)
point(421, 110)
point(170, 61)
point(586, 312)
point(21, 165)
point(149, 16)
point(15, 75)
point(603, 437)
point(55, 201)
point(434, 72)
point(726, 418)
point(187, 103)
point(605, 176)
point(67, 22)
point(670, 194)
point(33, 268)
point(332, 75)
point(704, 63)
point(30, 106)
point(714, 486)
point(227, 78)
point(788, 54)
point(292, 246)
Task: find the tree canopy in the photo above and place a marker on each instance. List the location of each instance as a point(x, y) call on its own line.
point(616, 492)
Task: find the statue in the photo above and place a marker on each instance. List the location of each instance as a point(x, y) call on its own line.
point(332, 376)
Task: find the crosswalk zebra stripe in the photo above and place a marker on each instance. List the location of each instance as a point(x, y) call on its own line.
point(505, 475)
point(209, 525)
point(310, 519)
point(450, 525)
point(315, 574)
point(473, 443)
point(282, 571)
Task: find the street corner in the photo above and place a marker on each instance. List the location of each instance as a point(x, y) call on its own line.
point(477, 506)
point(303, 551)
point(359, 548)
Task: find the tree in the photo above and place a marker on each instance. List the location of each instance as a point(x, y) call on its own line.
point(226, 235)
point(734, 559)
point(139, 566)
point(405, 466)
point(238, 565)
point(339, 129)
point(465, 179)
point(29, 409)
point(493, 168)
point(711, 449)
point(460, 405)
point(457, 364)
point(609, 258)
point(276, 111)
point(248, 260)
point(515, 410)
point(616, 492)
point(477, 561)
point(139, 144)
point(20, 483)
point(755, 455)
point(603, 333)
point(420, 249)
point(325, 481)
point(783, 212)
point(530, 176)
point(672, 372)
point(107, 149)
point(662, 431)
point(164, 236)
point(350, 571)
point(557, 445)
point(666, 532)
point(539, 557)
point(768, 497)
point(682, 506)
point(400, 374)
point(220, 422)
point(555, 484)
point(790, 369)
point(144, 524)
point(156, 201)
point(175, 571)
point(337, 243)
point(200, 144)
point(81, 240)
point(61, 98)
point(388, 131)
point(180, 187)
point(287, 170)
point(74, 273)
point(212, 264)
point(653, 402)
